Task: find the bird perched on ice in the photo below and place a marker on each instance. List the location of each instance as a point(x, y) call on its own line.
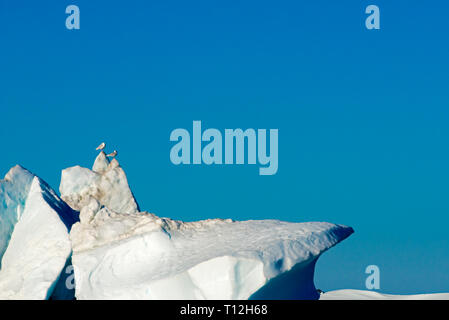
point(112, 154)
point(101, 146)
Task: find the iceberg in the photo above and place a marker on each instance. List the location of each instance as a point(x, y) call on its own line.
point(116, 251)
point(122, 253)
point(38, 243)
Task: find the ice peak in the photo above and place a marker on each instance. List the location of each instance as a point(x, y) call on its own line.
point(13, 194)
point(16, 171)
point(106, 183)
point(38, 243)
point(101, 163)
point(113, 164)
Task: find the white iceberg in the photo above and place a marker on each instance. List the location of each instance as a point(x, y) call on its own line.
point(120, 253)
point(38, 243)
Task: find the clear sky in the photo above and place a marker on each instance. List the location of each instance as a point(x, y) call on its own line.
point(362, 115)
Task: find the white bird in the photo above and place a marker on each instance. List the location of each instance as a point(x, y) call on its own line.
point(112, 154)
point(101, 146)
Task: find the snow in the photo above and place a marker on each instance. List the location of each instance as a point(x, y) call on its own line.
point(39, 246)
point(349, 294)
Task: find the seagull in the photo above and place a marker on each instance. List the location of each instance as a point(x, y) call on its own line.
point(101, 146)
point(112, 154)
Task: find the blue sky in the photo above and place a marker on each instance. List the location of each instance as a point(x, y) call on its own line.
point(362, 115)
